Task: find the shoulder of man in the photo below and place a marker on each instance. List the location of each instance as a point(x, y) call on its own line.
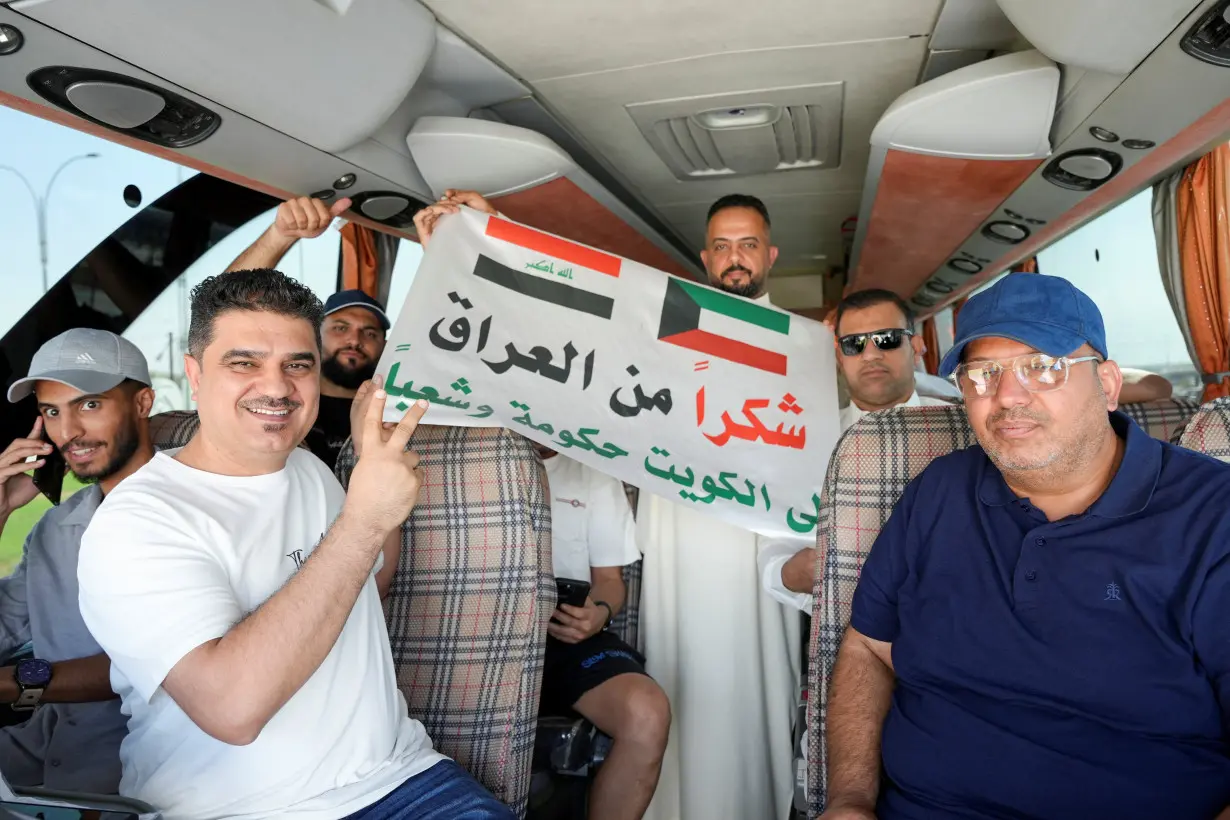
point(61, 513)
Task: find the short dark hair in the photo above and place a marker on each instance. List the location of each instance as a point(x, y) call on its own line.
point(862, 299)
point(262, 289)
point(739, 201)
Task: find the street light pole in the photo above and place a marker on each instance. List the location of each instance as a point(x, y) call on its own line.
point(40, 206)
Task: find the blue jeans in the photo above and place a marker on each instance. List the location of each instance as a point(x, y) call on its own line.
point(444, 792)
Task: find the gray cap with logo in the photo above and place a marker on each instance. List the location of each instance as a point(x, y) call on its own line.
point(92, 361)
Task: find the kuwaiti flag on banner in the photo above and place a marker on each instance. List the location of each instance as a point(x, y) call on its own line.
point(710, 399)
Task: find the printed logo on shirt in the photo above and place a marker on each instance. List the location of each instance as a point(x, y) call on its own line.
point(574, 502)
point(1113, 593)
point(297, 557)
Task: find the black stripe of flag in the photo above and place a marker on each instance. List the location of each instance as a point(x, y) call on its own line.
point(536, 287)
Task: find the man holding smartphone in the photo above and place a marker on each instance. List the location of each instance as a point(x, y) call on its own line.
point(588, 668)
point(94, 399)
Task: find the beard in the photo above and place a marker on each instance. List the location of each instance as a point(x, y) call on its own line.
point(347, 378)
point(123, 448)
point(749, 290)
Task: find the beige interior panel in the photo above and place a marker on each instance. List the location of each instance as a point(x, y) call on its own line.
point(543, 39)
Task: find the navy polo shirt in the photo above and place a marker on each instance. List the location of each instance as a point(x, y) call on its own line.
point(1070, 669)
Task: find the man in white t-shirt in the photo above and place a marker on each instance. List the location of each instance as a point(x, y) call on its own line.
point(876, 349)
point(232, 583)
point(587, 668)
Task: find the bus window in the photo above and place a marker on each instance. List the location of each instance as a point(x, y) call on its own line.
point(1114, 260)
point(61, 193)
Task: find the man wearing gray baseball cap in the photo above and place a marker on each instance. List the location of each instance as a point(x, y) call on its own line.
point(94, 399)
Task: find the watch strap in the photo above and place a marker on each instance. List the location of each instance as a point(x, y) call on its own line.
point(610, 613)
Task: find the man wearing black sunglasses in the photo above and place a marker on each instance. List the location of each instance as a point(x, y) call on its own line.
point(875, 350)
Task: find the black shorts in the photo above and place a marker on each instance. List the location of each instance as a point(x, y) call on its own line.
point(572, 669)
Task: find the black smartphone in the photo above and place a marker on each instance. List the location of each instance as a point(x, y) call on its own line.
point(572, 592)
point(50, 477)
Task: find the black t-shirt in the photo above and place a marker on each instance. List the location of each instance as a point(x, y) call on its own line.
point(331, 429)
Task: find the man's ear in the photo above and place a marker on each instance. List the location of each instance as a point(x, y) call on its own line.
point(704, 258)
point(192, 369)
point(772, 255)
point(145, 402)
point(1112, 383)
point(920, 347)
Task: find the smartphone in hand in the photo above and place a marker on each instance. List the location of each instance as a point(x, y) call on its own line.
point(50, 477)
point(572, 592)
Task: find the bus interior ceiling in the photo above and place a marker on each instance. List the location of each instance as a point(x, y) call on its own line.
point(920, 145)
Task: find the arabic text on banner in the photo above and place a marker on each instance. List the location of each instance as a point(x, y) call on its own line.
point(709, 399)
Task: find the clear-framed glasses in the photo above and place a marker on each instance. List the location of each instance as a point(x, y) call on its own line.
point(1036, 372)
point(887, 339)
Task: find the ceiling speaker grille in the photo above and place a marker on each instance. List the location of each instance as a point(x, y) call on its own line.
point(750, 133)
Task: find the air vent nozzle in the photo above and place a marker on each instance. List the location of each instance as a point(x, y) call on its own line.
point(756, 132)
point(126, 104)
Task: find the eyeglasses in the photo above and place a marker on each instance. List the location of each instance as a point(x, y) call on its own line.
point(887, 339)
point(1036, 372)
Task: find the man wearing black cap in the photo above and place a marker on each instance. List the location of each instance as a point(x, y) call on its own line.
point(1040, 629)
point(94, 399)
point(355, 325)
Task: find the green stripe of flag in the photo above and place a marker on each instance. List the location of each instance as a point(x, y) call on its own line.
point(740, 309)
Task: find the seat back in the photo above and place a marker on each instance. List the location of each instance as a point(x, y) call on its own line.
point(1163, 419)
point(468, 608)
point(869, 469)
point(871, 465)
point(1208, 431)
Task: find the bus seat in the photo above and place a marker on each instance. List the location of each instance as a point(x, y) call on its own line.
point(173, 429)
point(468, 608)
point(869, 469)
point(467, 612)
point(1163, 419)
point(1209, 430)
point(871, 465)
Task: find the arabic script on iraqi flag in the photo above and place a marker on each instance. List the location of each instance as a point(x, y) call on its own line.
point(717, 402)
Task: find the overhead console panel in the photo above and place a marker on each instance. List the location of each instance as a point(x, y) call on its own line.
point(1112, 36)
point(943, 158)
point(330, 72)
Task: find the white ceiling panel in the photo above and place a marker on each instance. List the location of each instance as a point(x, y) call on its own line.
point(541, 39)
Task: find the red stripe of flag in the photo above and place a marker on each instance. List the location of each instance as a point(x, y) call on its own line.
point(703, 341)
point(553, 246)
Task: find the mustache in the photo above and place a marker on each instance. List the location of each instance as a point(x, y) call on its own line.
point(266, 403)
point(734, 268)
point(1017, 414)
point(82, 443)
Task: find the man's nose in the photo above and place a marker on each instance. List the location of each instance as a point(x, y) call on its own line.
point(276, 383)
point(1010, 392)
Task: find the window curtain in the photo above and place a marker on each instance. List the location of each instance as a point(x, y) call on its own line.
point(931, 345)
point(1190, 220)
point(366, 261)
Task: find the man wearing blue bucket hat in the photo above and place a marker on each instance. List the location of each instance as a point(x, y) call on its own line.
point(1040, 630)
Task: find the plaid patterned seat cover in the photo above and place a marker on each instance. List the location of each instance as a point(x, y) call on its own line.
point(1209, 430)
point(467, 613)
point(869, 469)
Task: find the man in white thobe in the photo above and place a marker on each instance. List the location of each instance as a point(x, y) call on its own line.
point(726, 654)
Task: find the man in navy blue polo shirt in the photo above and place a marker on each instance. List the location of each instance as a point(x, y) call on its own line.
point(1042, 629)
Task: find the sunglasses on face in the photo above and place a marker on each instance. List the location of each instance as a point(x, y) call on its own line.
point(887, 339)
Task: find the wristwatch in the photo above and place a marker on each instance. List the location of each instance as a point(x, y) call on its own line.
point(32, 676)
point(610, 614)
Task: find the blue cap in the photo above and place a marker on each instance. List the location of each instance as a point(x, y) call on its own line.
point(1045, 312)
point(356, 298)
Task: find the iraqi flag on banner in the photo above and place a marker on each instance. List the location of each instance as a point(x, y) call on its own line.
point(550, 269)
point(709, 399)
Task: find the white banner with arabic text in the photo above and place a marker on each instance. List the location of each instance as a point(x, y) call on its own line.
point(709, 399)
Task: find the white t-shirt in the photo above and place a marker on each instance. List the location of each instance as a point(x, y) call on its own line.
point(591, 520)
point(176, 557)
